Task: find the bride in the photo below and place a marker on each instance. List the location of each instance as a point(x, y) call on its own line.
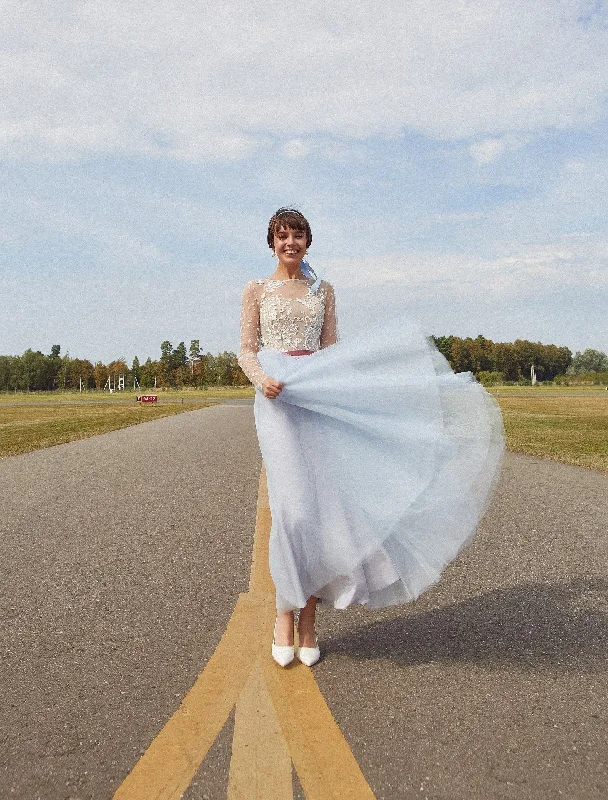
point(380, 460)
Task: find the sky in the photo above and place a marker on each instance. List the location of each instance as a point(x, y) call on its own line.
point(451, 158)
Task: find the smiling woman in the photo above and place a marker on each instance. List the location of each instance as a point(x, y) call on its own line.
point(380, 460)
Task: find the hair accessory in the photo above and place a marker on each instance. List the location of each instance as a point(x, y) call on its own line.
point(309, 272)
point(282, 211)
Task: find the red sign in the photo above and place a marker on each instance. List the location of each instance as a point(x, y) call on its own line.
point(148, 398)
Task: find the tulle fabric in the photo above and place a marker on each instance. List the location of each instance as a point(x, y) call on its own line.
point(380, 463)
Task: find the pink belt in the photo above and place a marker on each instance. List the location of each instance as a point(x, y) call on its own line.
point(299, 352)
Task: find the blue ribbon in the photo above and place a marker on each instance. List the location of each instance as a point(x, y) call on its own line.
point(309, 272)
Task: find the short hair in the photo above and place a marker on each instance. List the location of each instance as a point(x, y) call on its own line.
point(288, 218)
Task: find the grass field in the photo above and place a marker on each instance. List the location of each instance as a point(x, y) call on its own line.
point(539, 390)
point(25, 428)
point(564, 423)
point(127, 396)
point(571, 429)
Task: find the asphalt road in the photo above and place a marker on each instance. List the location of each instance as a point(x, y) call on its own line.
point(122, 557)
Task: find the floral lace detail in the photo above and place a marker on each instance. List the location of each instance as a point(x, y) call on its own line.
point(284, 315)
point(288, 323)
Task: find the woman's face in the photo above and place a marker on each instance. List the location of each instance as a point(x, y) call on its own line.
point(290, 245)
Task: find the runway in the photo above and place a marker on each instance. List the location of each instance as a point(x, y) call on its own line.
point(126, 556)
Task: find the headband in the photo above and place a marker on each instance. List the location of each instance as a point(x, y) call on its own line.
point(288, 211)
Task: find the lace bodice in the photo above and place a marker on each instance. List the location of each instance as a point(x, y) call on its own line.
point(284, 315)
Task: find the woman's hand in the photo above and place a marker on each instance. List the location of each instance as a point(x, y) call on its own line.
point(271, 388)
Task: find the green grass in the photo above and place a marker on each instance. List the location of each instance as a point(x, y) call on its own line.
point(127, 396)
point(570, 429)
point(32, 427)
point(546, 389)
point(556, 422)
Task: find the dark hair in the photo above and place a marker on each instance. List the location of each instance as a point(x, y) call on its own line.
point(288, 218)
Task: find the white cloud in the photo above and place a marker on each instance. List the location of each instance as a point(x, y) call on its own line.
point(571, 261)
point(209, 81)
point(296, 148)
point(555, 292)
point(488, 150)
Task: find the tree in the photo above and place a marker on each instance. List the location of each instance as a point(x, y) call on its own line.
point(54, 365)
point(463, 355)
point(80, 370)
point(166, 362)
point(226, 366)
point(100, 375)
point(194, 354)
point(180, 374)
point(180, 357)
point(490, 378)
point(31, 371)
point(115, 370)
point(204, 371)
point(552, 361)
point(6, 373)
point(63, 372)
point(505, 359)
point(149, 371)
point(444, 345)
point(195, 349)
point(485, 349)
point(589, 361)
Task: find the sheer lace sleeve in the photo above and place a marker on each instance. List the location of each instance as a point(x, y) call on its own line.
point(329, 331)
point(250, 335)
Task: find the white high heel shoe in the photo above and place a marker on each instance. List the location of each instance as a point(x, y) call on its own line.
point(283, 654)
point(309, 655)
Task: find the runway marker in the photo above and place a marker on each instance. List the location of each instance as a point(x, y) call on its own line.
point(281, 715)
point(260, 767)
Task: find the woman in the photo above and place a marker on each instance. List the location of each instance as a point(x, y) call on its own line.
point(380, 460)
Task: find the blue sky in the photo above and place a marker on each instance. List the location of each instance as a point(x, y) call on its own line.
point(451, 158)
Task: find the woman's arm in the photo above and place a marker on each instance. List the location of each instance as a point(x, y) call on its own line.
point(329, 331)
point(250, 336)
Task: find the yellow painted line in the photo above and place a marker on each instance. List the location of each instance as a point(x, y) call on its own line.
point(326, 767)
point(167, 767)
point(260, 579)
point(281, 715)
point(260, 767)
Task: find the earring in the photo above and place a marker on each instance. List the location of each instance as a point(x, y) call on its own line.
point(274, 255)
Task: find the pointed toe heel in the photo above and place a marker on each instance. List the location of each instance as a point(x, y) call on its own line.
point(309, 655)
point(283, 654)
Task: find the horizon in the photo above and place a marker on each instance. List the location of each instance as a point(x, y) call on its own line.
point(174, 345)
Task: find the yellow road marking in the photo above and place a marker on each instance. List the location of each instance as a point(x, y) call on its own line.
point(260, 579)
point(280, 713)
point(260, 767)
point(326, 767)
point(166, 769)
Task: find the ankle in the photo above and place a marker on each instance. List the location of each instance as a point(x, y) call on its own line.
point(283, 629)
point(307, 636)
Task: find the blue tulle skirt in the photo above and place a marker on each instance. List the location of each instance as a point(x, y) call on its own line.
point(380, 463)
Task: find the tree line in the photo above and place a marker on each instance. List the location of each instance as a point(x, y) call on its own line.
point(178, 367)
point(504, 361)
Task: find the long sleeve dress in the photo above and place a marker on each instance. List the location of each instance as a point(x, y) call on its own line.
point(380, 460)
